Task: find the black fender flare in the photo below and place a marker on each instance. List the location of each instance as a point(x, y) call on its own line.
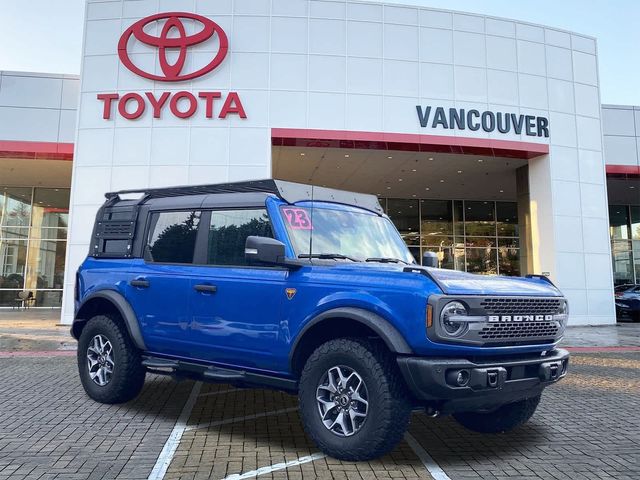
point(392, 338)
point(123, 307)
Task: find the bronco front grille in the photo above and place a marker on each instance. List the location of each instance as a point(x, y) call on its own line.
point(520, 306)
point(506, 331)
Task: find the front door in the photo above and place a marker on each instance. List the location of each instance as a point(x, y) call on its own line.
point(235, 307)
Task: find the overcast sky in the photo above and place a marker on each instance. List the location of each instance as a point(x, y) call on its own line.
point(46, 35)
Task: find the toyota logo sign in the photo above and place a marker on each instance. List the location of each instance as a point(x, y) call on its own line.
point(169, 41)
point(173, 39)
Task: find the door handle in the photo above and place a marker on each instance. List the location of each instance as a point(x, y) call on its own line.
point(205, 288)
point(139, 283)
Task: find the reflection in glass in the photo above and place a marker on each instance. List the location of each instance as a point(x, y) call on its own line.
point(437, 217)
point(482, 260)
point(619, 222)
point(480, 219)
point(15, 206)
point(507, 216)
point(445, 255)
point(405, 215)
point(46, 264)
point(622, 262)
point(480, 241)
point(635, 223)
point(228, 234)
point(509, 261)
point(50, 213)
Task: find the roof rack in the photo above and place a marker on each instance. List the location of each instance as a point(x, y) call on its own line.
point(290, 192)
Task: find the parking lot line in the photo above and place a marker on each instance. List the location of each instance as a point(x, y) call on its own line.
point(219, 392)
point(429, 463)
point(171, 445)
point(275, 467)
point(226, 421)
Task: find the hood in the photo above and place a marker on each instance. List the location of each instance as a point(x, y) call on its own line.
point(453, 282)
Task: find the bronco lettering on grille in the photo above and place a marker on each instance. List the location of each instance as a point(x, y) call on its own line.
point(520, 318)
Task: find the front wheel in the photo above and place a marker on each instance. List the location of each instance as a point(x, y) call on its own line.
point(353, 401)
point(504, 419)
point(108, 362)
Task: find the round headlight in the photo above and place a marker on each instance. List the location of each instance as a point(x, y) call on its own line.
point(447, 319)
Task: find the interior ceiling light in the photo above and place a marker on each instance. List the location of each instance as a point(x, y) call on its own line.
point(480, 160)
point(302, 154)
point(501, 191)
point(389, 157)
point(427, 189)
point(346, 155)
point(431, 158)
point(414, 170)
point(441, 181)
point(459, 171)
point(388, 188)
point(399, 179)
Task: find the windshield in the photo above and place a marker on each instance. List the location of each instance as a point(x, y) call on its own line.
point(355, 235)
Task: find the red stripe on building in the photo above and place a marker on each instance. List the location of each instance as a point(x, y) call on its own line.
point(36, 150)
point(623, 170)
point(294, 137)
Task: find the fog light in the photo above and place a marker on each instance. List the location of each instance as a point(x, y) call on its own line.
point(458, 378)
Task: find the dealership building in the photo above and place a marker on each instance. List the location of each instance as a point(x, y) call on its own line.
point(484, 138)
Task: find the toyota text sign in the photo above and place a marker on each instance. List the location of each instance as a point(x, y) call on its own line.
point(173, 46)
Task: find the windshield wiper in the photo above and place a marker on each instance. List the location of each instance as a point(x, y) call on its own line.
point(386, 260)
point(328, 256)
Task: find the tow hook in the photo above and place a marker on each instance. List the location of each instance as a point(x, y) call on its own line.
point(492, 378)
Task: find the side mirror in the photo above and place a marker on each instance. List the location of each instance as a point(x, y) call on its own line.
point(264, 250)
point(430, 259)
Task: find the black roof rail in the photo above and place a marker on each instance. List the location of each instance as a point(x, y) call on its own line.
point(290, 192)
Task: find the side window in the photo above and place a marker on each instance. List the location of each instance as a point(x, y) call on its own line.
point(172, 237)
point(228, 233)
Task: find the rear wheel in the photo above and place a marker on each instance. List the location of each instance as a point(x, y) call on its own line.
point(353, 401)
point(108, 362)
point(503, 419)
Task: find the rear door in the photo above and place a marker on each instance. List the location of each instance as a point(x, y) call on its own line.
point(235, 307)
point(160, 287)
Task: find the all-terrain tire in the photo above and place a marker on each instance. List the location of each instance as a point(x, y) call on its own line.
point(128, 375)
point(389, 406)
point(503, 419)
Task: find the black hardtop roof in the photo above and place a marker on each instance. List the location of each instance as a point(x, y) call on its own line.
point(290, 192)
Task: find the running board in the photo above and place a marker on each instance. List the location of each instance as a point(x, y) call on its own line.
point(210, 373)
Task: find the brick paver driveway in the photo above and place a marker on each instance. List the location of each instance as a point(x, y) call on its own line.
point(586, 427)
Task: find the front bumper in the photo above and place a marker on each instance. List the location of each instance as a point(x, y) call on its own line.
point(490, 383)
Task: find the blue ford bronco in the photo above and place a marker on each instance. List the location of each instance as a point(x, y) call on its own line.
point(312, 291)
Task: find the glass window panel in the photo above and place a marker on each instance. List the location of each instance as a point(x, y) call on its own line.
point(49, 233)
point(437, 217)
point(405, 215)
point(507, 217)
point(8, 298)
point(15, 206)
point(50, 212)
point(228, 234)
point(436, 241)
point(509, 242)
point(172, 237)
point(509, 261)
point(46, 264)
point(48, 298)
point(14, 233)
point(445, 256)
point(411, 238)
point(635, 223)
point(480, 219)
point(13, 255)
point(482, 260)
point(480, 241)
point(619, 222)
point(415, 252)
point(622, 262)
point(458, 218)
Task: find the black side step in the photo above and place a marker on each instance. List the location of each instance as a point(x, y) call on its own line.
point(223, 375)
point(180, 368)
point(154, 362)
